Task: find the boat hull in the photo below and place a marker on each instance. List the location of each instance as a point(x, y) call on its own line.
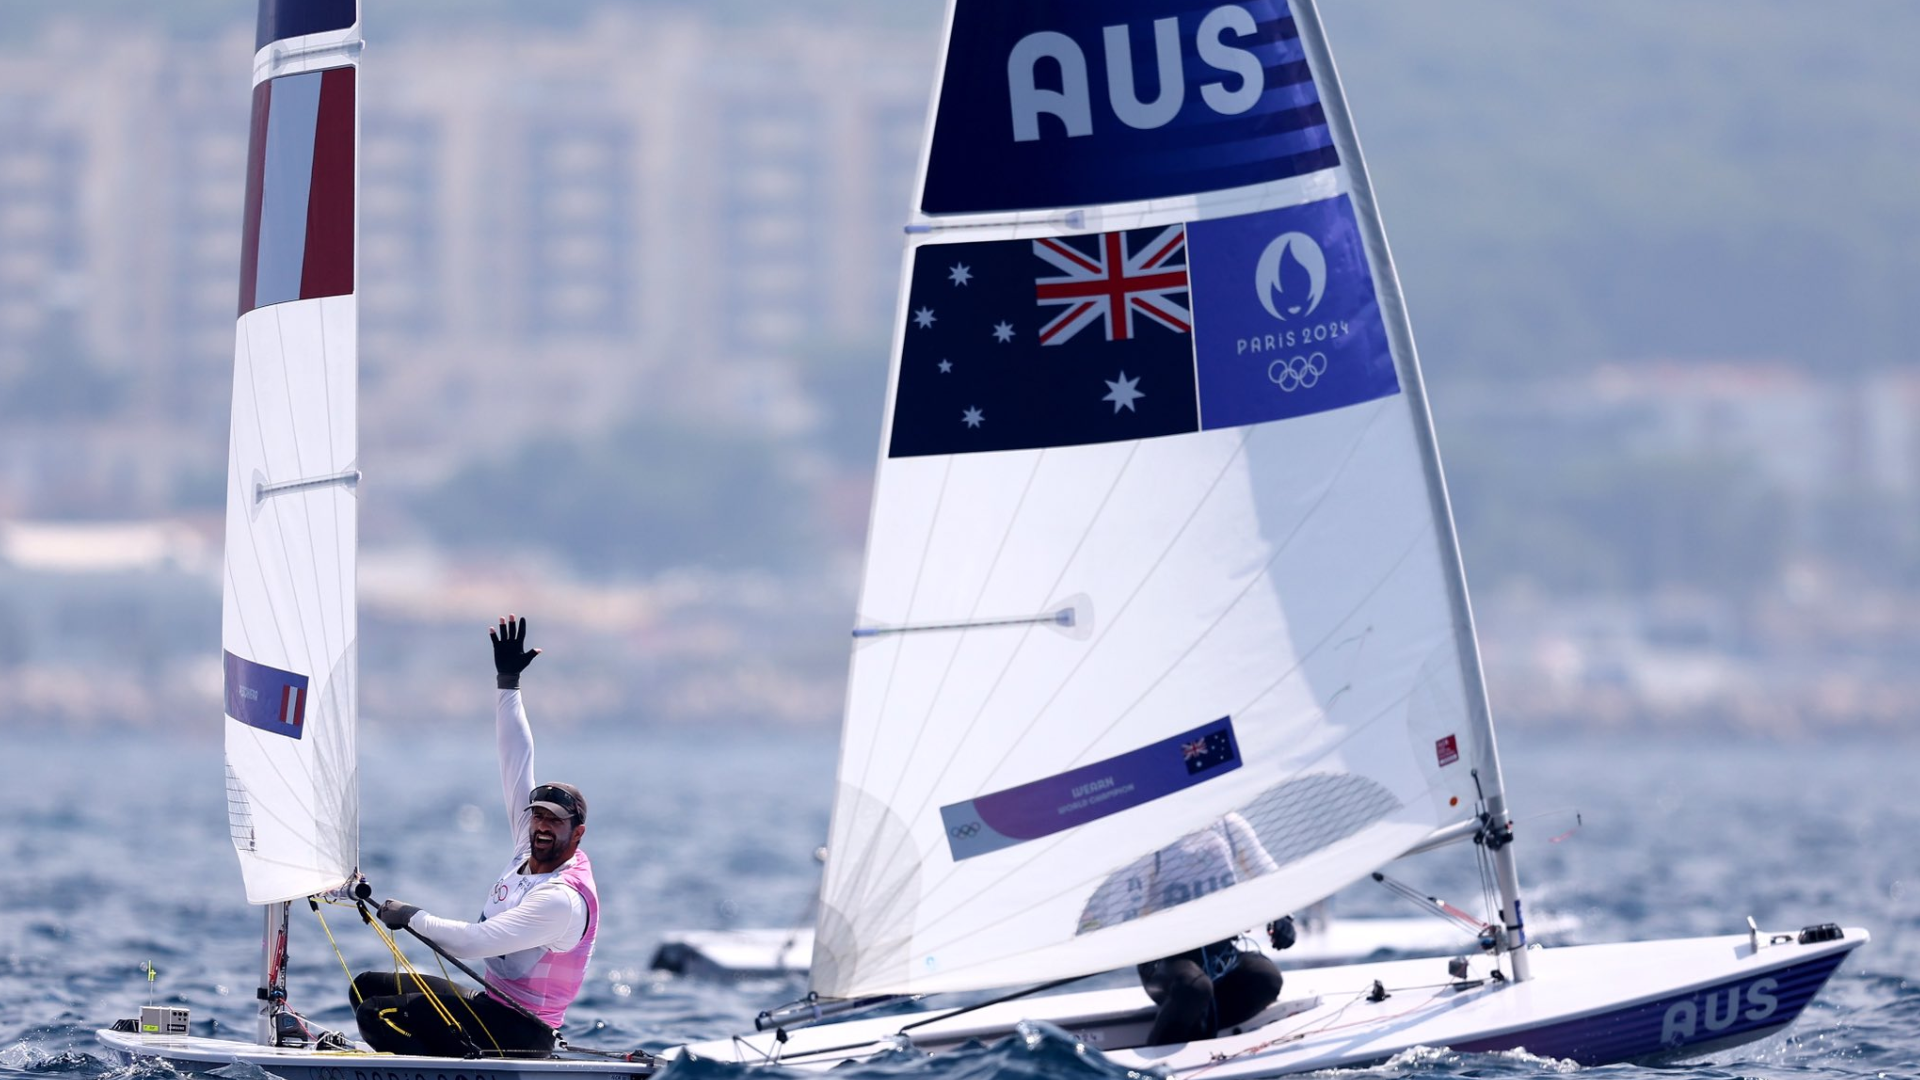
point(197, 1054)
point(1592, 1004)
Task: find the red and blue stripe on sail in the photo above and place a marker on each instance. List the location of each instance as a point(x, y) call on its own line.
point(297, 242)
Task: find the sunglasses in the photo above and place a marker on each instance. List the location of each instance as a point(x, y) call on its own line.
point(558, 796)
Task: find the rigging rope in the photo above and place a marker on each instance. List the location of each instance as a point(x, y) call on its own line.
point(404, 966)
point(1483, 858)
point(1327, 1025)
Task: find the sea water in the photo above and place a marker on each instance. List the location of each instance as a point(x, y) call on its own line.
point(117, 858)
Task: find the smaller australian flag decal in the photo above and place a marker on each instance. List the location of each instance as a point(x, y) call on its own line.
point(1209, 751)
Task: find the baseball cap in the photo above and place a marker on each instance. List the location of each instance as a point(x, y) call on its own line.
point(560, 800)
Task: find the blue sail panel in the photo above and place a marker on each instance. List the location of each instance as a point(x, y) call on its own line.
point(1054, 105)
point(1040, 808)
point(1286, 321)
point(282, 19)
point(266, 697)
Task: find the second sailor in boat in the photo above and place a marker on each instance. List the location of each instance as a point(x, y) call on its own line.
point(535, 931)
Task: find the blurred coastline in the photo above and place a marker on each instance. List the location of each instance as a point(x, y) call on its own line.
point(628, 278)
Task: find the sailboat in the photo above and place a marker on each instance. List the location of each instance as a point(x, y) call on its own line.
point(289, 627)
point(1160, 542)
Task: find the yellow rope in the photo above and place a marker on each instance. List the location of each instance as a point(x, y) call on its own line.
point(337, 954)
point(404, 966)
point(497, 1048)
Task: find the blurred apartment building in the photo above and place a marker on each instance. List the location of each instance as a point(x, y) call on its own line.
point(557, 229)
point(1804, 433)
point(1827, 642)
point(648, 215)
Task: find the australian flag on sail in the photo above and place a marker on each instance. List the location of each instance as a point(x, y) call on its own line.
point(266, 697)
point(1062, 341)
point(1022, 344)
point(297, 238)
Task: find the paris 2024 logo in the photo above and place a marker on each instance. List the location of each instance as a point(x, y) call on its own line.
point(1291, 280)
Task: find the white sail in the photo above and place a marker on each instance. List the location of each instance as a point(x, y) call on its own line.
point(1158, 558)
point(290, 622)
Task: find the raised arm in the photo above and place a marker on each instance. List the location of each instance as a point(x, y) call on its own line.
point(512, 733)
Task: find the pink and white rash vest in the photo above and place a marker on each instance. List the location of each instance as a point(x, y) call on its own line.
point(543, 981)
point(554, 978)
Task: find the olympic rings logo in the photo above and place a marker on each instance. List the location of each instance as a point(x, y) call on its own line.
point(1298, 373)
point(962, 832)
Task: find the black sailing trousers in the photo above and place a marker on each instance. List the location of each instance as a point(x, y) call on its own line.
point(1194, 1005)
point(397, 1017)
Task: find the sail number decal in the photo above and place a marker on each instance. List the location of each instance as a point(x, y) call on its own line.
point(1063, 105)
point(266, 697)
point(1705, 1016)
point(1064, 341)
point(988, 823)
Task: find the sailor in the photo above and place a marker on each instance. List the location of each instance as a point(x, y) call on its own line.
point(1214, 987)
point(535, 930)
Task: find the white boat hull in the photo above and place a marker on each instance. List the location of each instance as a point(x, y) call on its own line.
point(735, 954)
point(1591, 1004)
point(192, 1053)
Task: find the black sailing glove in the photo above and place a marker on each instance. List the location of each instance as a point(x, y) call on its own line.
point(510, 654)
point(397, 915)
point(1280, 932)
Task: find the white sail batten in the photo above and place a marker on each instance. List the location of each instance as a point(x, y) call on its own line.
point(1158, 637)
point(290, 621)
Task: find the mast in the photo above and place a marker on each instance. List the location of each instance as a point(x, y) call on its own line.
point(273, 974)
point(1497, 828)
point(289, 626)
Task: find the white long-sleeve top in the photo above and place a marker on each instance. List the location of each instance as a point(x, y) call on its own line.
point(525, 914)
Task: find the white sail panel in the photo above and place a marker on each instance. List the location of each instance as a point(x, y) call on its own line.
point(1157, 563)
point(1176, 556)
point(290, 620)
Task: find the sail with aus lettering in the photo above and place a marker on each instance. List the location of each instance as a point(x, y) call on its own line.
point(1161, 563)
point(1157, 535)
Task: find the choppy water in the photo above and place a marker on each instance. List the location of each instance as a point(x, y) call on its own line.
point(118, 856)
